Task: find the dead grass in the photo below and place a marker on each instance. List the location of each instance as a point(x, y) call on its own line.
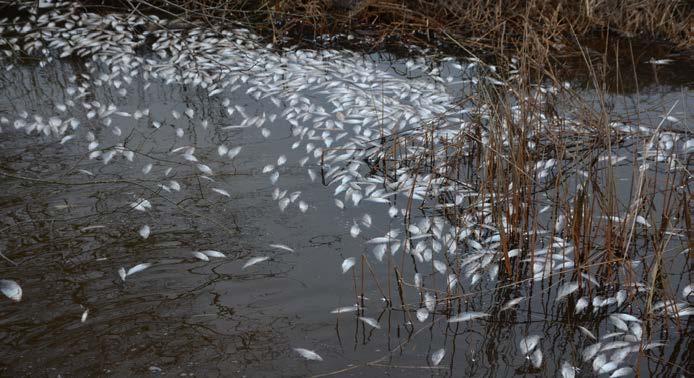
point(492, 24)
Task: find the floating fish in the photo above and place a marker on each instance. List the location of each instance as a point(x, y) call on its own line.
point(354, 230)
point(144, 231)
point(622, 372)
point(308, 354)
point(347, 264)
point(511, 303)
point(465, 316)
point(212, 253)
point(205, 169)
point(586, 332)
point(147, 168)
point(342, 310)
point(200, 256)
point(233, 152)
point(581, 305)
point(528, 343)
point(141, 205)
point(422, 314)
point(370, 321)
point(11, 289)
point(138, 268)
point(567, 370)
point(536, 358)
point(282, 247)
point(437, 356)
point(565, 290)
point(222, 192)
point(252, 261)
point(590, 351)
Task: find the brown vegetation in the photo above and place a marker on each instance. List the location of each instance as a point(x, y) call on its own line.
point(482, 23)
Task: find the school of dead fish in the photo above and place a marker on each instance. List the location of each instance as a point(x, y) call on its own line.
point(366, 106)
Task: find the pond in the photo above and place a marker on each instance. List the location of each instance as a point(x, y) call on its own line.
point(298, 214)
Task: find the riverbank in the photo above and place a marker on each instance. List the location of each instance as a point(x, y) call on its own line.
point(478, 23)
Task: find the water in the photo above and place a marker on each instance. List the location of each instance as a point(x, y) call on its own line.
point(245, 317)
point(67, 234)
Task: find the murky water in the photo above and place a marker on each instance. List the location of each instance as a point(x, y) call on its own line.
point(67, 226)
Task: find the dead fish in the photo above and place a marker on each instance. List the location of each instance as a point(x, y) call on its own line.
point(370, 321)
point(144, 231)
point(252, 261)
point(222, 192)
point(200, 256)
point(11, 289)
point(567, 371)
point(342, 310)
point(528, 343)
point(465, 316)
point(211, 253)
point(282, 247)
point(422, 314)
point(147, 168)
point(622, 372)
point(536, 358)
point(354, 230)
point(511, 303)
point(581, 305)
point(141, 205)
point(586, 332)
point(347, 264)
point(205, 169)
point(308, 354)
point(591, 351)
point(233, 152)
point(659, 62)
point(136, 269)
point(437, 356)
point(565, 290)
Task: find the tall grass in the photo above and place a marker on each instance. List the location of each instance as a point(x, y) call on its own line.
point(482, 23)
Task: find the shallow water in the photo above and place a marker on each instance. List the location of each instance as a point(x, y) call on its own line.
point(67, 234)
